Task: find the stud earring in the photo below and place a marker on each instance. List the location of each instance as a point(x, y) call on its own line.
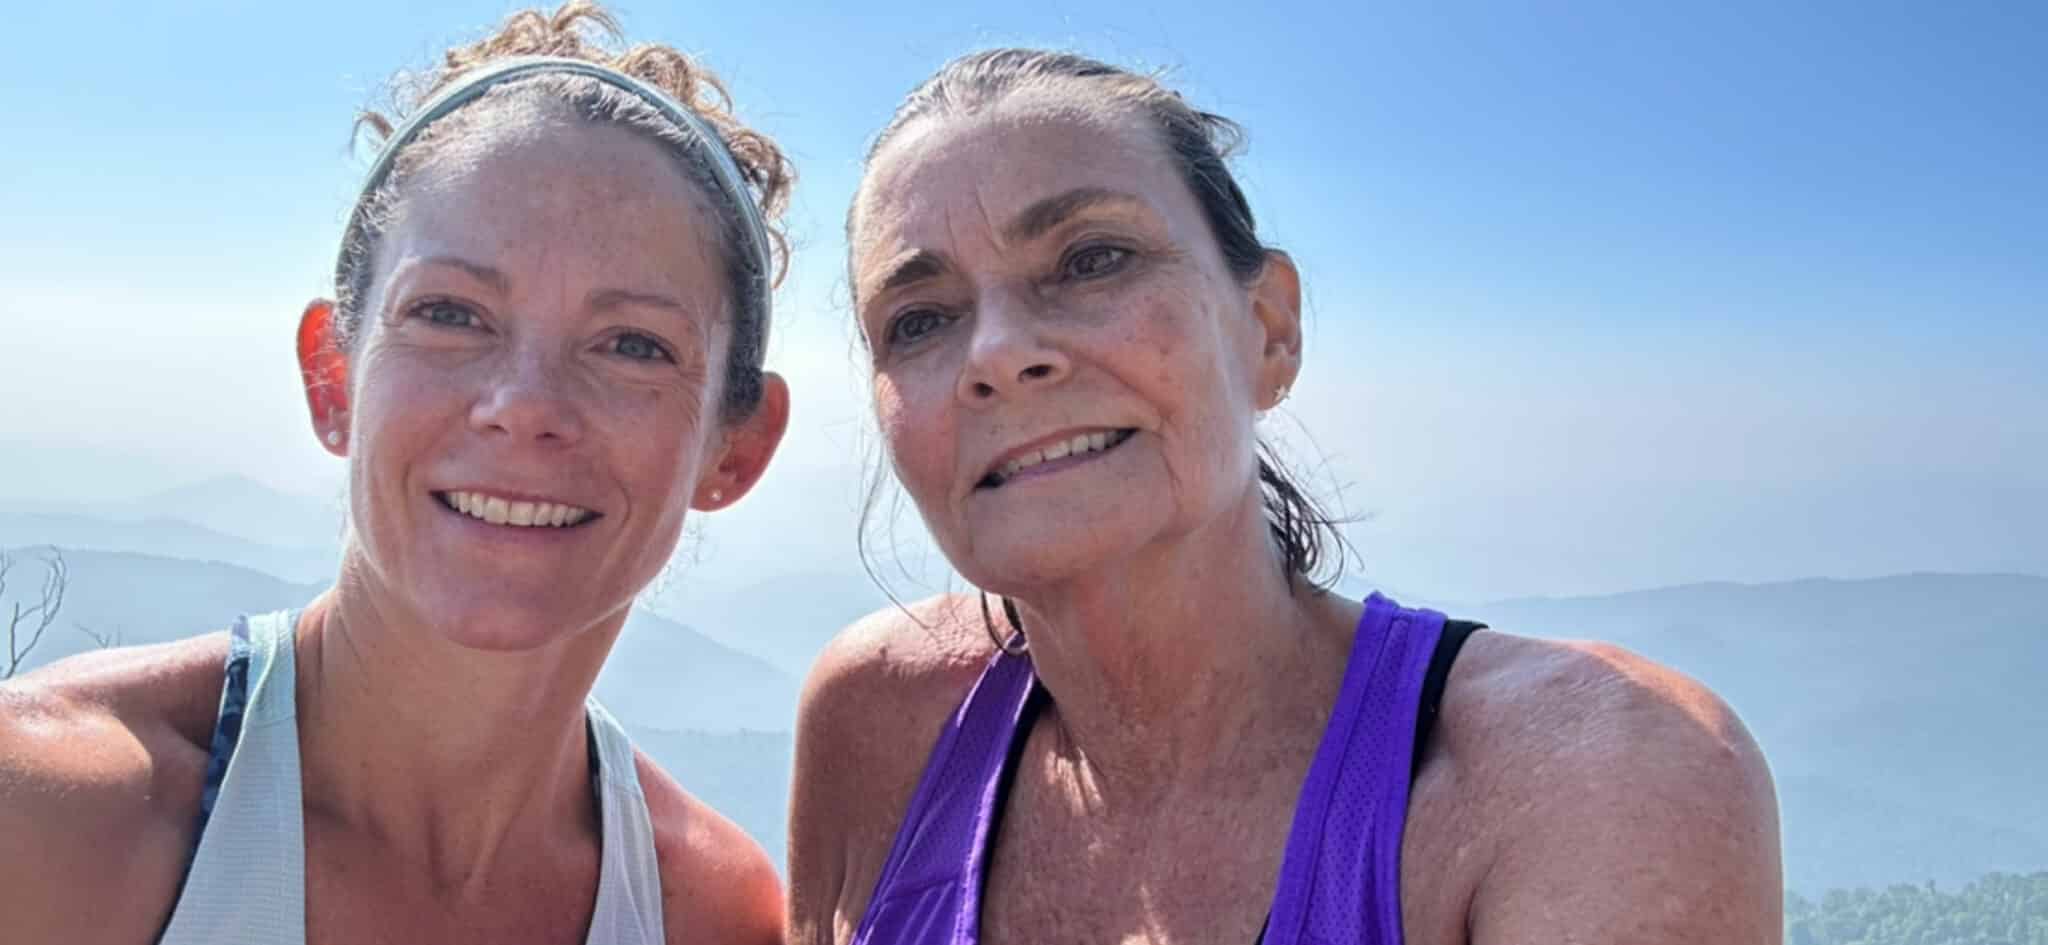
point(334, 438)
point(1279, 394)
point(717, 495)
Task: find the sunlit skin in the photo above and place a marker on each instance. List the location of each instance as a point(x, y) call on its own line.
point(1037, 269)
point(564, 342)
point(548, 321)
point(1099, 304)
point(1033, 271)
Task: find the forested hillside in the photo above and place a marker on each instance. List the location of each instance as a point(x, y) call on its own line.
point(2000, 909)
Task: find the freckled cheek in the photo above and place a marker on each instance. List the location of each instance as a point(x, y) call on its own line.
point(918, 433)
point(618, 410)
point(651, 433)
point(394, 405)
point(1158, 345)
point(1169, 350)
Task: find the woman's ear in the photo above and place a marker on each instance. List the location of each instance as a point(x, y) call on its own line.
point(748, 446)
point(1276, 303)
point(323, 369)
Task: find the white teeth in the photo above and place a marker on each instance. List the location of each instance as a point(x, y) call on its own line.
point(1075, 446)
point(517, 514)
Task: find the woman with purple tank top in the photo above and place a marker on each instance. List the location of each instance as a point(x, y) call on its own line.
point(1177, 734)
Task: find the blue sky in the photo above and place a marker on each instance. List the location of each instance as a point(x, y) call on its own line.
point(1602, 296)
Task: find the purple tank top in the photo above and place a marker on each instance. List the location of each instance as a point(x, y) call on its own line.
point(1339, 876)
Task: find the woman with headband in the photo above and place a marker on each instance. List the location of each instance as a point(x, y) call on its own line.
point(544, 350)
point(1169, 730)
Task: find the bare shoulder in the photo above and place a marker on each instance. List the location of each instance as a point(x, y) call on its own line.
point(876, 697)
point(101, 762)
point(717, 884)
point(926, 653)
point(1581, 695)
point(872, 707)
point(1628, 801)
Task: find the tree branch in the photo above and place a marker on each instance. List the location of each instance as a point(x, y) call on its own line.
point(39, 617)
point(105, 641)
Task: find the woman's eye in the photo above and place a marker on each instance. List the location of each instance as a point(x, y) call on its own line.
point(912, 326)
point(640, 348)
point(1093, 261)
point(450, 314)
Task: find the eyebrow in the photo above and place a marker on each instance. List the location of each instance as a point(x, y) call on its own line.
point(602, 298)
point(479, 271)
point(613, 298)
point(1036, 220)
point(919, 266)
point(1042, 216)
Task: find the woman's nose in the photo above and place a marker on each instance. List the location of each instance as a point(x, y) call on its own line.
point(1009, 352)
point(528, 398)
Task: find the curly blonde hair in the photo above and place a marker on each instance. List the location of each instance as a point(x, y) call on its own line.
point(584, 30)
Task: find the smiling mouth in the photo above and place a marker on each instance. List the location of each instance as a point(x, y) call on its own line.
point(517, 514)
point(1084, 444)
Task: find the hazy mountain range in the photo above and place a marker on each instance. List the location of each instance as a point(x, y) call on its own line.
point(1904, 717)
point(228, 519)
point(660, 672)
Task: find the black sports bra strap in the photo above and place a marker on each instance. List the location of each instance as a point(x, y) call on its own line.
point(1453, 638)
point(227, 733)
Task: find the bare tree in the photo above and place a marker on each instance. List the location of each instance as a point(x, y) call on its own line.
point(105, 640)
point(27, 622)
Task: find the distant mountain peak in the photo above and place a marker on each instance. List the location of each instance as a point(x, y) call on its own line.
point(238, 505)
point(228, 486)
point(1893, 582)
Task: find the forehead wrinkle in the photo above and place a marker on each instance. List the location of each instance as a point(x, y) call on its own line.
point(1048, 213)
point(653, 238)
point(988, 216)
point(891, 204)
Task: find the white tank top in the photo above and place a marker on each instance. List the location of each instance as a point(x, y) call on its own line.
point(247, 883)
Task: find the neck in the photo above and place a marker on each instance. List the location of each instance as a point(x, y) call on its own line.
point(450, 756)
point(1178, 660)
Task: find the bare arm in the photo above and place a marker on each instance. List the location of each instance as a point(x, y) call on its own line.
point(717, 884)
point(817, 842)
point(872, 708)
point(1635, 808)
point(98, 783)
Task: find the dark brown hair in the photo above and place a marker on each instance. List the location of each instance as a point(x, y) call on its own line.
point(583, 30)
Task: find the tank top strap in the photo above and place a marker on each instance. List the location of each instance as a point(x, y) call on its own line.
point(628, 910)
point(929, 890)
point(227, 725)
point(247, 885)
point(1340, 875)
